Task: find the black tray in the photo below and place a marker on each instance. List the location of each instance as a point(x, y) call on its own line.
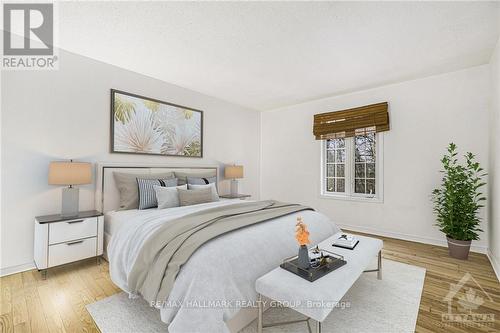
point(312, 274)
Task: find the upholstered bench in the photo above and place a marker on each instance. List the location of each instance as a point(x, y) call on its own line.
point(317, 299)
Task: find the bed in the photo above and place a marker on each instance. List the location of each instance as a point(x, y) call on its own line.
point(214, 291)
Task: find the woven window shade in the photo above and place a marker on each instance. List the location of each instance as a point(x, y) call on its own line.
point(347, 123)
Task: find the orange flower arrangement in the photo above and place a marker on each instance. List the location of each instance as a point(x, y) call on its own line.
point(301, 233)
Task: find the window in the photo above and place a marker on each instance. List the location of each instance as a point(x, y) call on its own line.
point(351, 167)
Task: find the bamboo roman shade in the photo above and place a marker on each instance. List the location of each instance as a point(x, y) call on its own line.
point(347, 123)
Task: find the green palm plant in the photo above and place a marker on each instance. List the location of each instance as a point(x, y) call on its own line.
point(458, 200)
point(152, 105)
point(193, 149)
point(123, 109)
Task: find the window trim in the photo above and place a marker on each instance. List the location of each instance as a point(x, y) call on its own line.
point(349, 171)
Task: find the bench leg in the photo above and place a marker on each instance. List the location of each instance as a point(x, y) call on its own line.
point(379, 270)
point(318, 327)
point(379, 266)
point(259, 320)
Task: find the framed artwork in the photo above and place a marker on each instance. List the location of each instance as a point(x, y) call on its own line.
point(143, 125)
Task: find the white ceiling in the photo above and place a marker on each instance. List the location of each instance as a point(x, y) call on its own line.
point(265, 55)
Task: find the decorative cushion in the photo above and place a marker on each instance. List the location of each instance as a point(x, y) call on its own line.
point(201, 180)
point(147, 195)
point(126, 183)
point(211, 186)
point(183, 175)
point(194, 197)
point(168, 197)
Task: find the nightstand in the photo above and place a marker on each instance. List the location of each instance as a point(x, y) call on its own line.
point(60, 240)
point(237, 196)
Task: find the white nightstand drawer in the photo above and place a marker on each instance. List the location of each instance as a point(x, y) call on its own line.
point(72, 251)
point(72, 230)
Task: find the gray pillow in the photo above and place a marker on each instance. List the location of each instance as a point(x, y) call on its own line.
point(126, 183)
point(183, 175)
point(201, 180)
point(168, 197)
point(211, 186)
point(194, 197)
point(147, 195)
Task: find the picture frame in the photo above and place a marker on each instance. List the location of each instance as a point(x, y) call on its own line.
point(148, 126)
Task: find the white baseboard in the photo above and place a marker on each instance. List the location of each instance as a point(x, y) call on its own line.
point(495, 263)
point(413, 238)
point(17, 269)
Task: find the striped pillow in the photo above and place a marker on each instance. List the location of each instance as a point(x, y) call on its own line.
point(147, 195)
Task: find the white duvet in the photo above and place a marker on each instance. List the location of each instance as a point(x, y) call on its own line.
point(219, 278)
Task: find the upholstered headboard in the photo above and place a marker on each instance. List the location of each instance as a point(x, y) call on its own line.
point(107, 196)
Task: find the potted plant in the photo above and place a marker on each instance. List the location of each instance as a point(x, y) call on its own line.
point(458, 201)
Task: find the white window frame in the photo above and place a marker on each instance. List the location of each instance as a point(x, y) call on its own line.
point(349, 194)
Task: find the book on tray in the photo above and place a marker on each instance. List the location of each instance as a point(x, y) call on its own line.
point(346, 241)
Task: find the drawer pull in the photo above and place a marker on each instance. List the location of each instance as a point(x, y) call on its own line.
point(73, 243)
point(75, 221)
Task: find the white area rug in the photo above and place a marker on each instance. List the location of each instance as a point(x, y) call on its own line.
point(386, 306)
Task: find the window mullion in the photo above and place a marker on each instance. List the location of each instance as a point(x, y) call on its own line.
point(353, 165)
point(350, 164)
point(347, 168)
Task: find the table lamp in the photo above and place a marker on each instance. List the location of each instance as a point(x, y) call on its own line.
point(233, 172)
point(70, 173)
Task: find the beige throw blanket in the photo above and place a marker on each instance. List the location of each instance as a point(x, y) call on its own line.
point(163, 254)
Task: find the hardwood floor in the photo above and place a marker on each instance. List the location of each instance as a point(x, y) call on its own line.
point(57, 304)
point(441, 272)
point(30, 304)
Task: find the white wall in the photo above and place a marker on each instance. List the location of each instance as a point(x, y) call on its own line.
point(425, 115)
point(494, 169)
point(65, 114)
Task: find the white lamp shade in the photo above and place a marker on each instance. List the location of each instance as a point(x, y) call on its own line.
point(70, 173)
point(233, 171)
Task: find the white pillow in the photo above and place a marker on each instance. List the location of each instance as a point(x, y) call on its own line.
point(168, 197)
point(215, 195)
